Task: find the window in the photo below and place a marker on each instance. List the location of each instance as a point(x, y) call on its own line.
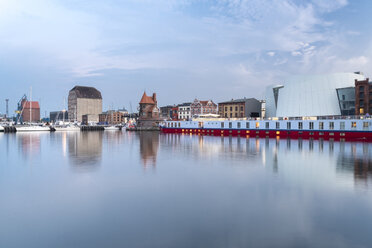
point(300, 125)
point(230, 108)
point(277, 125)
point(226, 115)
point(239, 124)
point(342, 125)
point(179, 124)
point(247, 125)
point(353, 124)
point(365, 125)
point(257, 125)
point(236, 114)
point(225, 108)
point(230, 115)
point(344, 106)
point(361, 103)
point(331, 125)
point(230, 124)
point(321, 125)
point(311, 125)
point(241, 108)
point(267, 125)
point(343, 97)
point(222, 124)
point(288, 125)
point(361, 88)
point(236, 108)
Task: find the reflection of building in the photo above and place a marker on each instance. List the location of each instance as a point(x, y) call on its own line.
point(203, 107)
point(313, 95)
point(84, 101)
point(149, 145)
point(246, 107)
point(29, 143)
point(31, 111)
point(85, 148)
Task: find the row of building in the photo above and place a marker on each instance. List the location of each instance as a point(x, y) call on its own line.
point(235, 108)
point(304, 95)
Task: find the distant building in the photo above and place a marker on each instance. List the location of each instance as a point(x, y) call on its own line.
point(203, 107)
point(184, 111)
point(112, 117)
point(174, 114)
point(363, 97)
point(84, 101)
point(166, 112)
point(312, 95)
point(240, 108)
point(149, 115)
point(55, 116)
point(31, 111)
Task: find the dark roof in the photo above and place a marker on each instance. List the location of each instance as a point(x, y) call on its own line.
point(238, 100)
point(184, 104)
point(87, 92)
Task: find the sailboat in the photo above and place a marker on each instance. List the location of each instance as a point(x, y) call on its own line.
point(32, 127)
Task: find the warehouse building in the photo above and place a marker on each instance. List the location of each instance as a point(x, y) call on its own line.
point(84, 101)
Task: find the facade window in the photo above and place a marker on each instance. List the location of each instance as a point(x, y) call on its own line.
point(277, 125)
point(311, 125)
point(230, 124)
point(241, 115)
point(365, 125)
point(236, 114)
point(230, 108)
point(353, 124)
point(331, 125)
point(222, 124)
point(300, 125)
point(361, 88)
point(225, 108)
point(321, 125)
point(226, 115)
point(241, 108)
point(179, 124)
point(257, 125)
point(361, 94)
point(239, 124)
point(236, 108)
point(343, 97)
point(247, 125)
point(230, 115)
point(342, 125)
point(288, 125)
point(267, 125)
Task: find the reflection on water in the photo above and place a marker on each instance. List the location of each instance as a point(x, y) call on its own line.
point(149, 145)
point(85, 149)
point(206, 192)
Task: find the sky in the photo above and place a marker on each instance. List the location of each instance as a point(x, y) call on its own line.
point(180, 49)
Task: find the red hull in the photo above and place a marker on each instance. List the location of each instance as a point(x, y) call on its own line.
point(293, 134)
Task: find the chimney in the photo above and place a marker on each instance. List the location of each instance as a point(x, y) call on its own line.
point(154, 97)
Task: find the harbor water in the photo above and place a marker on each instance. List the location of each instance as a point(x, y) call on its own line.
point(129, 189)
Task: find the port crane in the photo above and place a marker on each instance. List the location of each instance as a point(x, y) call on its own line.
point(19, 110)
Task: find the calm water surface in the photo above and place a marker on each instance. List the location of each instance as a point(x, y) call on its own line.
point(117, 189)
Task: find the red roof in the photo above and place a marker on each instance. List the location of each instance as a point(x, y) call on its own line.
point(146, 99)
point(32, 104)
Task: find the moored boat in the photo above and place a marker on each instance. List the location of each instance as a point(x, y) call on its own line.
point(113, 128)
point(1, 129)
point(328, 128)
point(33, 128)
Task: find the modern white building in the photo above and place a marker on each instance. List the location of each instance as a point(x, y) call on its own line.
point(311, 95)
point(184, 111)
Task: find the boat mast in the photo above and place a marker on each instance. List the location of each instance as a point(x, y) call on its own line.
point(30, 104)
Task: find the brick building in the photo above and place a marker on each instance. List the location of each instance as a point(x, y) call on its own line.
point(149, 115)
point(240, 108)
point(112, 117)
point(363, 97)
point(31, 111)
point(198, 107)
point(85, 101)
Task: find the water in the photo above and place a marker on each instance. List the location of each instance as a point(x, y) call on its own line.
point(117, 189)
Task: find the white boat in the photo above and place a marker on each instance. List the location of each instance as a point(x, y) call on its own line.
point(112, 128)
point(1, 129)
point(32, 128)
point(67, 128)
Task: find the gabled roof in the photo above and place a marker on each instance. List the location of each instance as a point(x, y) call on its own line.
point(87, 92)
point(146, 99)
point(33, 104)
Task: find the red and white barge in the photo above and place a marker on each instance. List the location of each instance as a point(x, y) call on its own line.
point(327, 128)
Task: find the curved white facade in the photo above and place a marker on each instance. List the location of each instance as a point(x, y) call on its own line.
point(312, 95)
